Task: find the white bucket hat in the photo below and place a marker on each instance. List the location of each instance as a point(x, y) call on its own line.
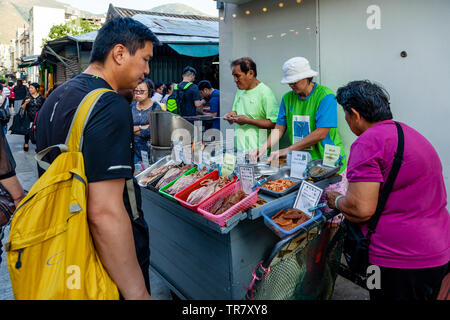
point(296, 69)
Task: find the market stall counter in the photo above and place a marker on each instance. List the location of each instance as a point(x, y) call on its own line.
point(199, 259)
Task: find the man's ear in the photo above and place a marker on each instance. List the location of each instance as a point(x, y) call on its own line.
point(119, 53)
point(251, 73)
point(356, 114)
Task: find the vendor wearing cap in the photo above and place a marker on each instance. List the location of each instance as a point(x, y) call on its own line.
point(255, 107)
point(308, 112)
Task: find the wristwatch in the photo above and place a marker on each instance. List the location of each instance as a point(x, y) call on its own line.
point(140, 127)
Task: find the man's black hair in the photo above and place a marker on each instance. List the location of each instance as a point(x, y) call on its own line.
point(10, 83)
point(204, 84)
point(126, 31)
point(368, 98)
point(246, 64)
point(3, 81)
point(188, 70)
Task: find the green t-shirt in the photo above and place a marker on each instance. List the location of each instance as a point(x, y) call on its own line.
point(258, 103)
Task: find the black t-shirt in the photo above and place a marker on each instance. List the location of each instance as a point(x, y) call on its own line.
point(190, 95)
point(107, 144)
point(20, 93)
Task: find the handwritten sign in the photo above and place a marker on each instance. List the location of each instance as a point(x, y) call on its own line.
point(229, 163)
point(331, 155)
point(308, 196)
point(299, 162)
point(247, 178)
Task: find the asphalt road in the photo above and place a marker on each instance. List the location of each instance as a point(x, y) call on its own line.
point(27, 175)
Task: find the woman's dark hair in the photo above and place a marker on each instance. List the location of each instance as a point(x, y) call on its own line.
point(36, 86)
point(368, 98)
point(1, 87)
point(150, 87)
point(10, 83)
point(19, 83)
point(126, 31)
point(246, 64)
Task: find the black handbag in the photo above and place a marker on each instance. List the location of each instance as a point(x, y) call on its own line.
point(21, 123)
point(5, 115)
point(356, 245)
point(7, 206)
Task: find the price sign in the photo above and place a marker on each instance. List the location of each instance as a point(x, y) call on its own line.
point(308, 196)
point(331, 155)
point(299, 161)
point(144, 155)
point(177, 152)
point(229, 163)
point(247, 178)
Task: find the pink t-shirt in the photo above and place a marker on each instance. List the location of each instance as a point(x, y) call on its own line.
point(414, 229)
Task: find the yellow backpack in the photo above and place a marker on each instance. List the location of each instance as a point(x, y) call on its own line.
point(50, 253)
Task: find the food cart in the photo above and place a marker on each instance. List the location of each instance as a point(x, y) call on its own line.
point(200, 259)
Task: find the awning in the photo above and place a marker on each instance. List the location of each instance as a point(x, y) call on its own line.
point(29, 61)
point(196, 50)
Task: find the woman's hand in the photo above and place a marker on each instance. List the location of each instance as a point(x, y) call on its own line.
point(331, 198)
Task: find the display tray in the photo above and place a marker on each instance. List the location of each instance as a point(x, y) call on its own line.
point(167, 186)
point(161, 162)
point(273, 208)
point(283, 174)
point(183, 195)
point(331, 171)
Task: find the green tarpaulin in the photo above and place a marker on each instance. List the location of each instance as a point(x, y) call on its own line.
point(196, 50)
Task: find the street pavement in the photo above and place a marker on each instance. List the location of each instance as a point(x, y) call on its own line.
point(27, 174)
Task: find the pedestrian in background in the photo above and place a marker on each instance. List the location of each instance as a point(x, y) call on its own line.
point(140, 109)
point(20, 93)
point(159, 90)
point(32, 105)
point(167, 92)
point(211, 100)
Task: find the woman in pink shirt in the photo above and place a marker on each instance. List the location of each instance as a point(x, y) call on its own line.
point(411, 243)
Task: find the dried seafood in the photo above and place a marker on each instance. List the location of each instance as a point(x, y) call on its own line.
point(209, 186)
point(186, 181)
point(279, 185)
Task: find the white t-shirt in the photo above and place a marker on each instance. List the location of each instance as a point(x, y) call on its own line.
point(157, 97)
point(6, 91)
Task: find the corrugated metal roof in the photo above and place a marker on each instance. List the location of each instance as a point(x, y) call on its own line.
point(165, 26)
point(124, 12)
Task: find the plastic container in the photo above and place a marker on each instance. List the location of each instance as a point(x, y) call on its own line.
point(243, 205)
point(271, 209)
point(283, 174)
point(163, 189)
point(183, 195)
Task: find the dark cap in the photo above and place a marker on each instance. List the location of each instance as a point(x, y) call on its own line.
point(189, 68)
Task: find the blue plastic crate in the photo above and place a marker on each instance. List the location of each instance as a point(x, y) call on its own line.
point(271, 209)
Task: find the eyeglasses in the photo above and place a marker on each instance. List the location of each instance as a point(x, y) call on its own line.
point(139, 91)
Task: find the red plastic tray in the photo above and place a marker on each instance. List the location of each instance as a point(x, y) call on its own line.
point(182, 196)
point(243, 205)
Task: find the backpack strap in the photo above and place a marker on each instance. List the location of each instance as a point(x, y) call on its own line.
point(74, 140)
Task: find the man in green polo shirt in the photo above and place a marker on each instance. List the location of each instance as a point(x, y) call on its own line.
point(255, 108)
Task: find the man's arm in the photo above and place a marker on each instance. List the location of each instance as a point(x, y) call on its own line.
point(260, 123)
point(13, 186)
point(112, 233)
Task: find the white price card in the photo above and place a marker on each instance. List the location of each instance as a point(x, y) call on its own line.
point(331, 155)
point(308, 197)
point(187, 157)
point(229, 163)
point(177, 152)
point(247, 178)
point(299, 162)
point(144, 155)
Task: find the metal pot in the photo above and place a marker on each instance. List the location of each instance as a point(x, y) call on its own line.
point(163, 123)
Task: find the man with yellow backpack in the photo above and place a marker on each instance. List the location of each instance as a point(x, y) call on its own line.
point(81, 229)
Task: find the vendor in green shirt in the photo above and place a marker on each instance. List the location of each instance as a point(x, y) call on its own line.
point(255, 107)
point(308, 112)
